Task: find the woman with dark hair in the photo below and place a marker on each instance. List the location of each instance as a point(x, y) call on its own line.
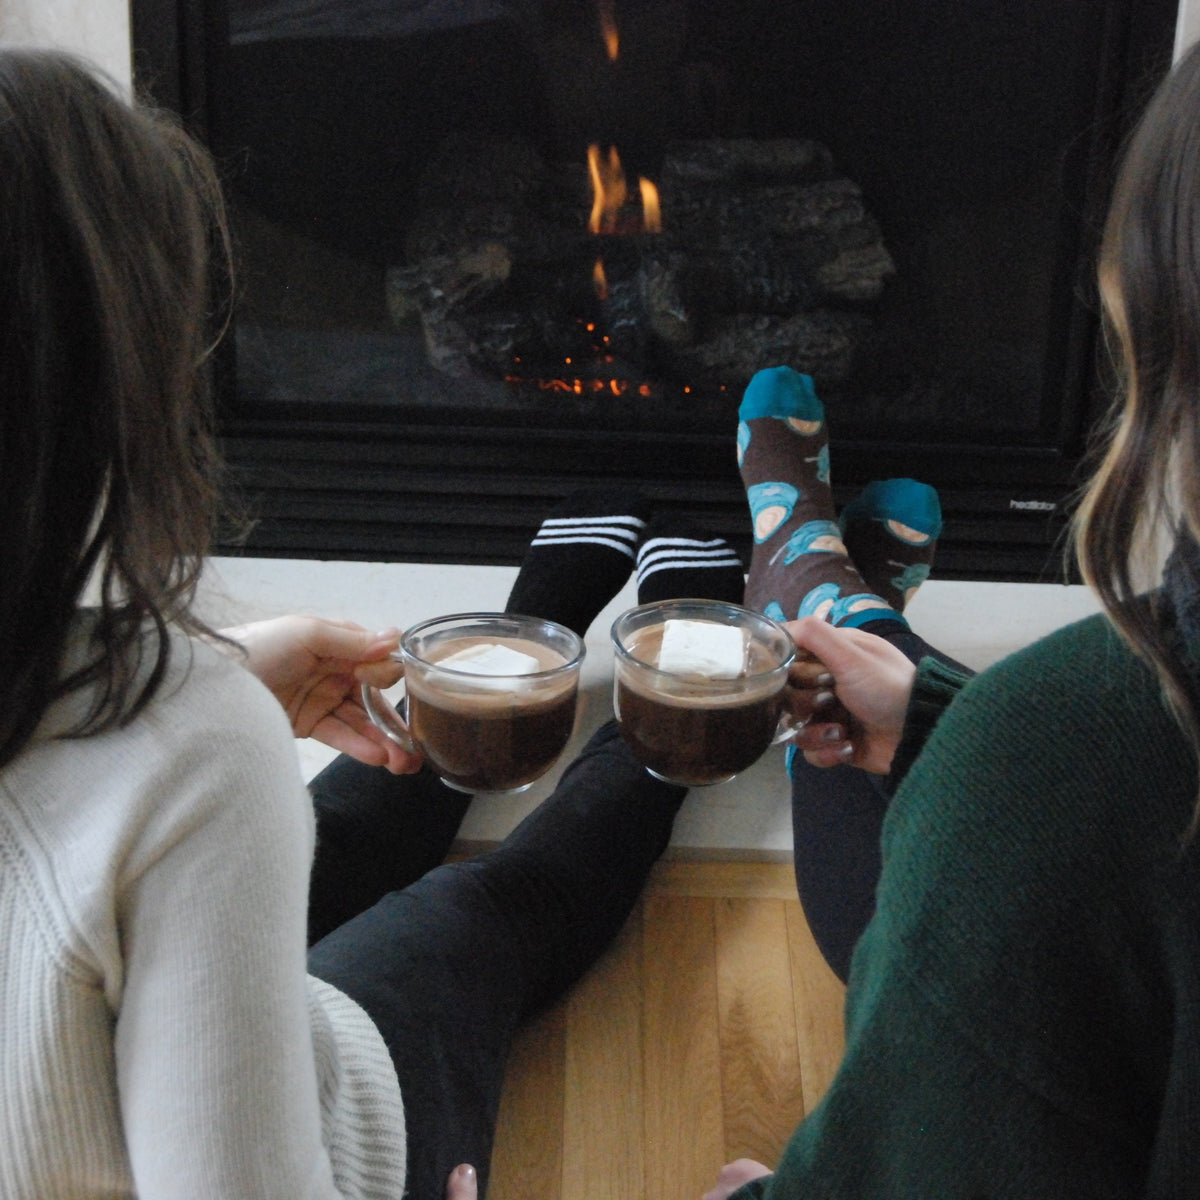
point(194, 1006)
point(1023, 1012)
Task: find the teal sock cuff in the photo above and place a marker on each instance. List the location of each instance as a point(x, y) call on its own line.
point(867, 615)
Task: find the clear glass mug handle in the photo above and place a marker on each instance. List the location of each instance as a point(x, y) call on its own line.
point(386, 718)
point(788, 725)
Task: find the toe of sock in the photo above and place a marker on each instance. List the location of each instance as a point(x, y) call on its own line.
point(781, 392)
point(907, 501)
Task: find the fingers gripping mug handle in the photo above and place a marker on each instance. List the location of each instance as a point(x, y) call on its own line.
point(387, 718)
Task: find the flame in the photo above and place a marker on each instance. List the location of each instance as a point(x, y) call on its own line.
point(608, 189)
point(651, 211)
point(610, 193)
point(608, 28)
point(600, 280)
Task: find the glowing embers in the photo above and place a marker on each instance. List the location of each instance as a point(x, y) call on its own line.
point(596, 380)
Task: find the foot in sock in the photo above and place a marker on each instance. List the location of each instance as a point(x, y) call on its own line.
point(580, 557)
point(800, 565)
point(891, 530)
point(676, 563)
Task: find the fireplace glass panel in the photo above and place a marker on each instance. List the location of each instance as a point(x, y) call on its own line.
point(876, 210)
point(579, 218)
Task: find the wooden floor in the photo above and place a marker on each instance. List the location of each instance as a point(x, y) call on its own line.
point(703, 1036)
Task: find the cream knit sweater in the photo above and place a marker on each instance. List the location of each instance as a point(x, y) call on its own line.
point(161, 1037)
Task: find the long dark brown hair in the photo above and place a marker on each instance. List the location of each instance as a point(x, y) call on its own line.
point(110, 224)
point(1148, 484)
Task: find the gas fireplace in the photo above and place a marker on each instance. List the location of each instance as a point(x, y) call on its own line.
point(491, 251)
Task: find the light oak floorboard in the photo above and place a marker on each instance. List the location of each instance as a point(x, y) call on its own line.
point(761, 1085)
point(604, 1020)
point(704, 1034)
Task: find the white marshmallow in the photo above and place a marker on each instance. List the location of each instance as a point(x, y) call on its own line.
point(486, 658)
point(703, 648)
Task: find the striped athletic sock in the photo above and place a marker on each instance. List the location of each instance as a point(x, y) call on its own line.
point(676, 564)
point(580, 557)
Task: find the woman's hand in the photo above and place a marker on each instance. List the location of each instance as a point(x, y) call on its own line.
point(852, 688)
point(314, 668)
point(732, 1176)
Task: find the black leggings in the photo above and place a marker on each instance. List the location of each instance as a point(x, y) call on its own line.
point(837, 817)
point(448, 960)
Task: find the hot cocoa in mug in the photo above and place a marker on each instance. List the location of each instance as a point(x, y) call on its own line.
point(698, 688)
point(489, 699)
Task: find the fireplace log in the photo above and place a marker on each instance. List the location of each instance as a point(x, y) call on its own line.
point(763, 247)
point(662, 288)
point(775, 247)
point(819, 343)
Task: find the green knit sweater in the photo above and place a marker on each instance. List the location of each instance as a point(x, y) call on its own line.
point(1023, 1015)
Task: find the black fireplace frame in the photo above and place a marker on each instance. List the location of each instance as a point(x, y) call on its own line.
point(352, 485)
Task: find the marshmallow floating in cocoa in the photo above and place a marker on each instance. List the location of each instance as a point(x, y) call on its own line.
point(488, 658)
point(703, 648)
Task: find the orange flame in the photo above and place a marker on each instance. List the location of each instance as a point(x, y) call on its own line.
point(600, 280)
point(651, 211)
point(609, 194)
point(608, 28)
point(608, 189)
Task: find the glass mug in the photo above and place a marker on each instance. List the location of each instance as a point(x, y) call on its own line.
point(692, 726)
point(496, 717)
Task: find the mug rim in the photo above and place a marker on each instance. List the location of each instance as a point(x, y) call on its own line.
point(641, 609)
point(572, 664)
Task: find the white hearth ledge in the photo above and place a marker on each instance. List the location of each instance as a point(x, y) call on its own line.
point(749, 817)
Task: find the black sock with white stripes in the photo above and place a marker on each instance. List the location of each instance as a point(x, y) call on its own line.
point(580, 558)
point(675, 563)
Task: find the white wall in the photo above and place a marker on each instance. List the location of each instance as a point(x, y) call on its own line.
point(96, 29)
point(1188, 29)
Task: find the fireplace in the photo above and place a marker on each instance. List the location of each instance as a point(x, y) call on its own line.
point(495, 250)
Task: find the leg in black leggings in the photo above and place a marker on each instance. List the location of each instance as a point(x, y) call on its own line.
point(376, 832)
point(860, 570)
point(449, 966)
point(837, 816)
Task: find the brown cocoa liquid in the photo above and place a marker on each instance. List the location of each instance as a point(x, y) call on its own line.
point(688, 734)
point(491, 739)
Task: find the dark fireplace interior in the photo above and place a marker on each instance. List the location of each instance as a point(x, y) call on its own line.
point(491, 251)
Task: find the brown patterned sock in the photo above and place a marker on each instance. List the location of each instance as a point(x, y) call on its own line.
point(891, 530)
point(799, 565)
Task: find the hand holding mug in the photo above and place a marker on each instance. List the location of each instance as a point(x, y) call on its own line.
point(871, 682)
point(314, 668)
